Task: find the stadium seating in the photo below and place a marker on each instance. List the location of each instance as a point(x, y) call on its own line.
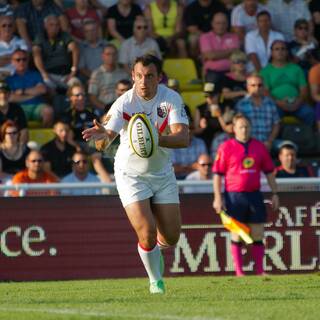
point(41, 135)
point(184, 70)
point(193, 99)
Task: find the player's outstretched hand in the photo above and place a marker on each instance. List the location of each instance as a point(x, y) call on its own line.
point(97, 132)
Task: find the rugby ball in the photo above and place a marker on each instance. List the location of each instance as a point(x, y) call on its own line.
point(141, 136)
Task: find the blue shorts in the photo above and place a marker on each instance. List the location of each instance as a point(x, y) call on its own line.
point(247, 207)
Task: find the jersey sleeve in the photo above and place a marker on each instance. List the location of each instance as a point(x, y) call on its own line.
point(177, 112)
point(267, 165)
point(115, 117)
point(219, 165)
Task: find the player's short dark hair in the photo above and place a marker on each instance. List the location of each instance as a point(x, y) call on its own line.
point(147, 60)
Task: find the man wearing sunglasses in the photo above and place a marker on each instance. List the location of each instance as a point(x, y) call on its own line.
point(80, 173)
point(34, 173)
point(137, 45)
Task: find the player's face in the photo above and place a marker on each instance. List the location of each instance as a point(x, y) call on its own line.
point(146, 80)
point(242, 130)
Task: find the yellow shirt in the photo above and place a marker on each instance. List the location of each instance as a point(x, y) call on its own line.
point(164, 25)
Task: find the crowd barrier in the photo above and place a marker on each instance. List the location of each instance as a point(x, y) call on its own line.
point(59, 238)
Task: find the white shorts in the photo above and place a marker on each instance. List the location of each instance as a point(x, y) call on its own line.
point(161, 188)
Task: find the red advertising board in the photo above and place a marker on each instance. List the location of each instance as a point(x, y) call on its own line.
point(51, 238)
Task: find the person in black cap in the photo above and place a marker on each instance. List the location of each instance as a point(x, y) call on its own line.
point(12, 111)
point(206, 121)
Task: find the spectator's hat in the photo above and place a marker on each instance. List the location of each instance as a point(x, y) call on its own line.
point(288, 143)
point(4, 86)
point(301, 22)
point(210, 89)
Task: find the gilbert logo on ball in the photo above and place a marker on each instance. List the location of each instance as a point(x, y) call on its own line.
point(140, 135)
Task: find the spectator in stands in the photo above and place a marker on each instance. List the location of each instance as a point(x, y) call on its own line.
point(9, 43)
point(302, 44)
point(12, 151)
point(184, 159)
point(12, 111)
point(34, 173)
point(91, 49)
point(78, 15)
point(165, 19)
point(216, 48)
point(226, 122)
point(80, 173)
point(289, 168)
point(30, 16)
point(27, 89)
point(314, 82)
point(261, 111)
point(234, 83)
point(197, 19)
point(206, 123)
point(78, 115)
point(58, 152)
point(120, 19)
point(314, 7)
point(104, 79)
point(56, 55)
point(258, 42)
point(286, 84)
point(243, 17)
point(122, 86)
point(137, 45)
point(241, 161)
point(285, 13)
point(203, 172)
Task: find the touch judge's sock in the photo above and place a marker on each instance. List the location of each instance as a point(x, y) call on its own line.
point(151, 261)
point(258, 254)
point(237, 257)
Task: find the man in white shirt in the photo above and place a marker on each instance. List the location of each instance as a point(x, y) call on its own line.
point(9, 43)
point(243, 17)
point(258, 42)
point(203, 173)
point(137, 45)
point(147, 186)
point(285, 13)
point(80, 173)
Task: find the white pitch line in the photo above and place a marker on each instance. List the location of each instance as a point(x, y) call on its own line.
point(102, 314)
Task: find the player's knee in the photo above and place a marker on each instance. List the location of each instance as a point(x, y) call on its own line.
point(148, 238)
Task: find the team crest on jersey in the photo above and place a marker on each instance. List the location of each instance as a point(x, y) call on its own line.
point(248, 162)
point(162, 110)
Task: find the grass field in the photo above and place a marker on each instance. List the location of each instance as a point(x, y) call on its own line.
point(188, 298)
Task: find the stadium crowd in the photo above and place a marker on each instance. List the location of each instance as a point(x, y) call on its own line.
point(63, 63)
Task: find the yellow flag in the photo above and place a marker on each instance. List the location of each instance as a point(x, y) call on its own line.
point(237, 227)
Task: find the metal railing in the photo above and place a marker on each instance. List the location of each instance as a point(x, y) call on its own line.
point(284, 184)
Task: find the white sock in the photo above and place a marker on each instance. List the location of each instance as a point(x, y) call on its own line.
point(151, 262)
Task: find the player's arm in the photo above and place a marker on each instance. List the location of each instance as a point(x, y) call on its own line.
point(273, 186)
point(217, 203)
point(100, 135)
point(177, 138)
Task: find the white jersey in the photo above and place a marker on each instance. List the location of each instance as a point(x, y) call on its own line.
point(165, 109)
